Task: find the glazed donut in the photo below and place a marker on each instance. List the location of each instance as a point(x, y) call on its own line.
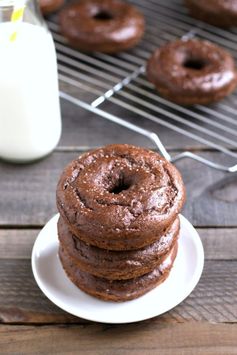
point(192, 72)
point(120, 197)
point(49, 6)
point(117, 290)
point(107, 26)
point(216, 12)
point(116, 265)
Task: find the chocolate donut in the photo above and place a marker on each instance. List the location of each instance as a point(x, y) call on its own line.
point(117, 290)
point(108, 26)
point(192, 72)
point(216, 12)
point(120, 197)
point(116, 264)
point(49, 6)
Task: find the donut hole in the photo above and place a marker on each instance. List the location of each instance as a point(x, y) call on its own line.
point(194, 63)
point(103, 15)
point(120, 186)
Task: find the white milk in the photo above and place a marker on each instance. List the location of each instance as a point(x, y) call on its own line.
point(30, 122)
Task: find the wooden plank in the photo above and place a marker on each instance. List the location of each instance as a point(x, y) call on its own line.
point(17, 243)
point(220, 243)
point(29, 196)
point(28, 192)
point(211, 194)
point(152, 337)
point(214, 299)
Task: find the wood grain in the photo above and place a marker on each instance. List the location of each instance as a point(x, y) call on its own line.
point(28, 192)
point(211, 197)
point(213, 300)
point(218, 243)
point(17, 243)
point(151, 337)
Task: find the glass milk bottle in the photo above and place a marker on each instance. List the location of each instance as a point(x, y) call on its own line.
point(30, 121)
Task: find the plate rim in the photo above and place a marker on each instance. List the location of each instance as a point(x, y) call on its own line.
point(62, 305)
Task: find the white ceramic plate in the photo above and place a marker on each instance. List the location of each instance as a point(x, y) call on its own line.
point(52, 280)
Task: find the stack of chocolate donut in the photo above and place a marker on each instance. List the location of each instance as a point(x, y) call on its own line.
point(119, 226)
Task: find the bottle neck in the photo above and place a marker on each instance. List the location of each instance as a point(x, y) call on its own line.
point(30, 14)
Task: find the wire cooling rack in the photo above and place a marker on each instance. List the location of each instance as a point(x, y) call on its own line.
point(120, 81)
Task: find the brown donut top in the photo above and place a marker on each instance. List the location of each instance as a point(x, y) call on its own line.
point(217, 6)
point(120, 191)
point(191, 66)
point(117, 264)
point(97, 21)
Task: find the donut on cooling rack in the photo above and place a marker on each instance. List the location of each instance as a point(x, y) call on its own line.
point(222, 13)
point(119, 265)
point(120, 197)
point(192, 72)
point(108, 26)
point(117, 290)
point(49, 6)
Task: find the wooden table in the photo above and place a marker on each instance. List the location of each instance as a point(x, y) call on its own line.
point(205, 323)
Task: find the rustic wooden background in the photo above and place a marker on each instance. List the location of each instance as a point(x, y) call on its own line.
point(205, 323)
